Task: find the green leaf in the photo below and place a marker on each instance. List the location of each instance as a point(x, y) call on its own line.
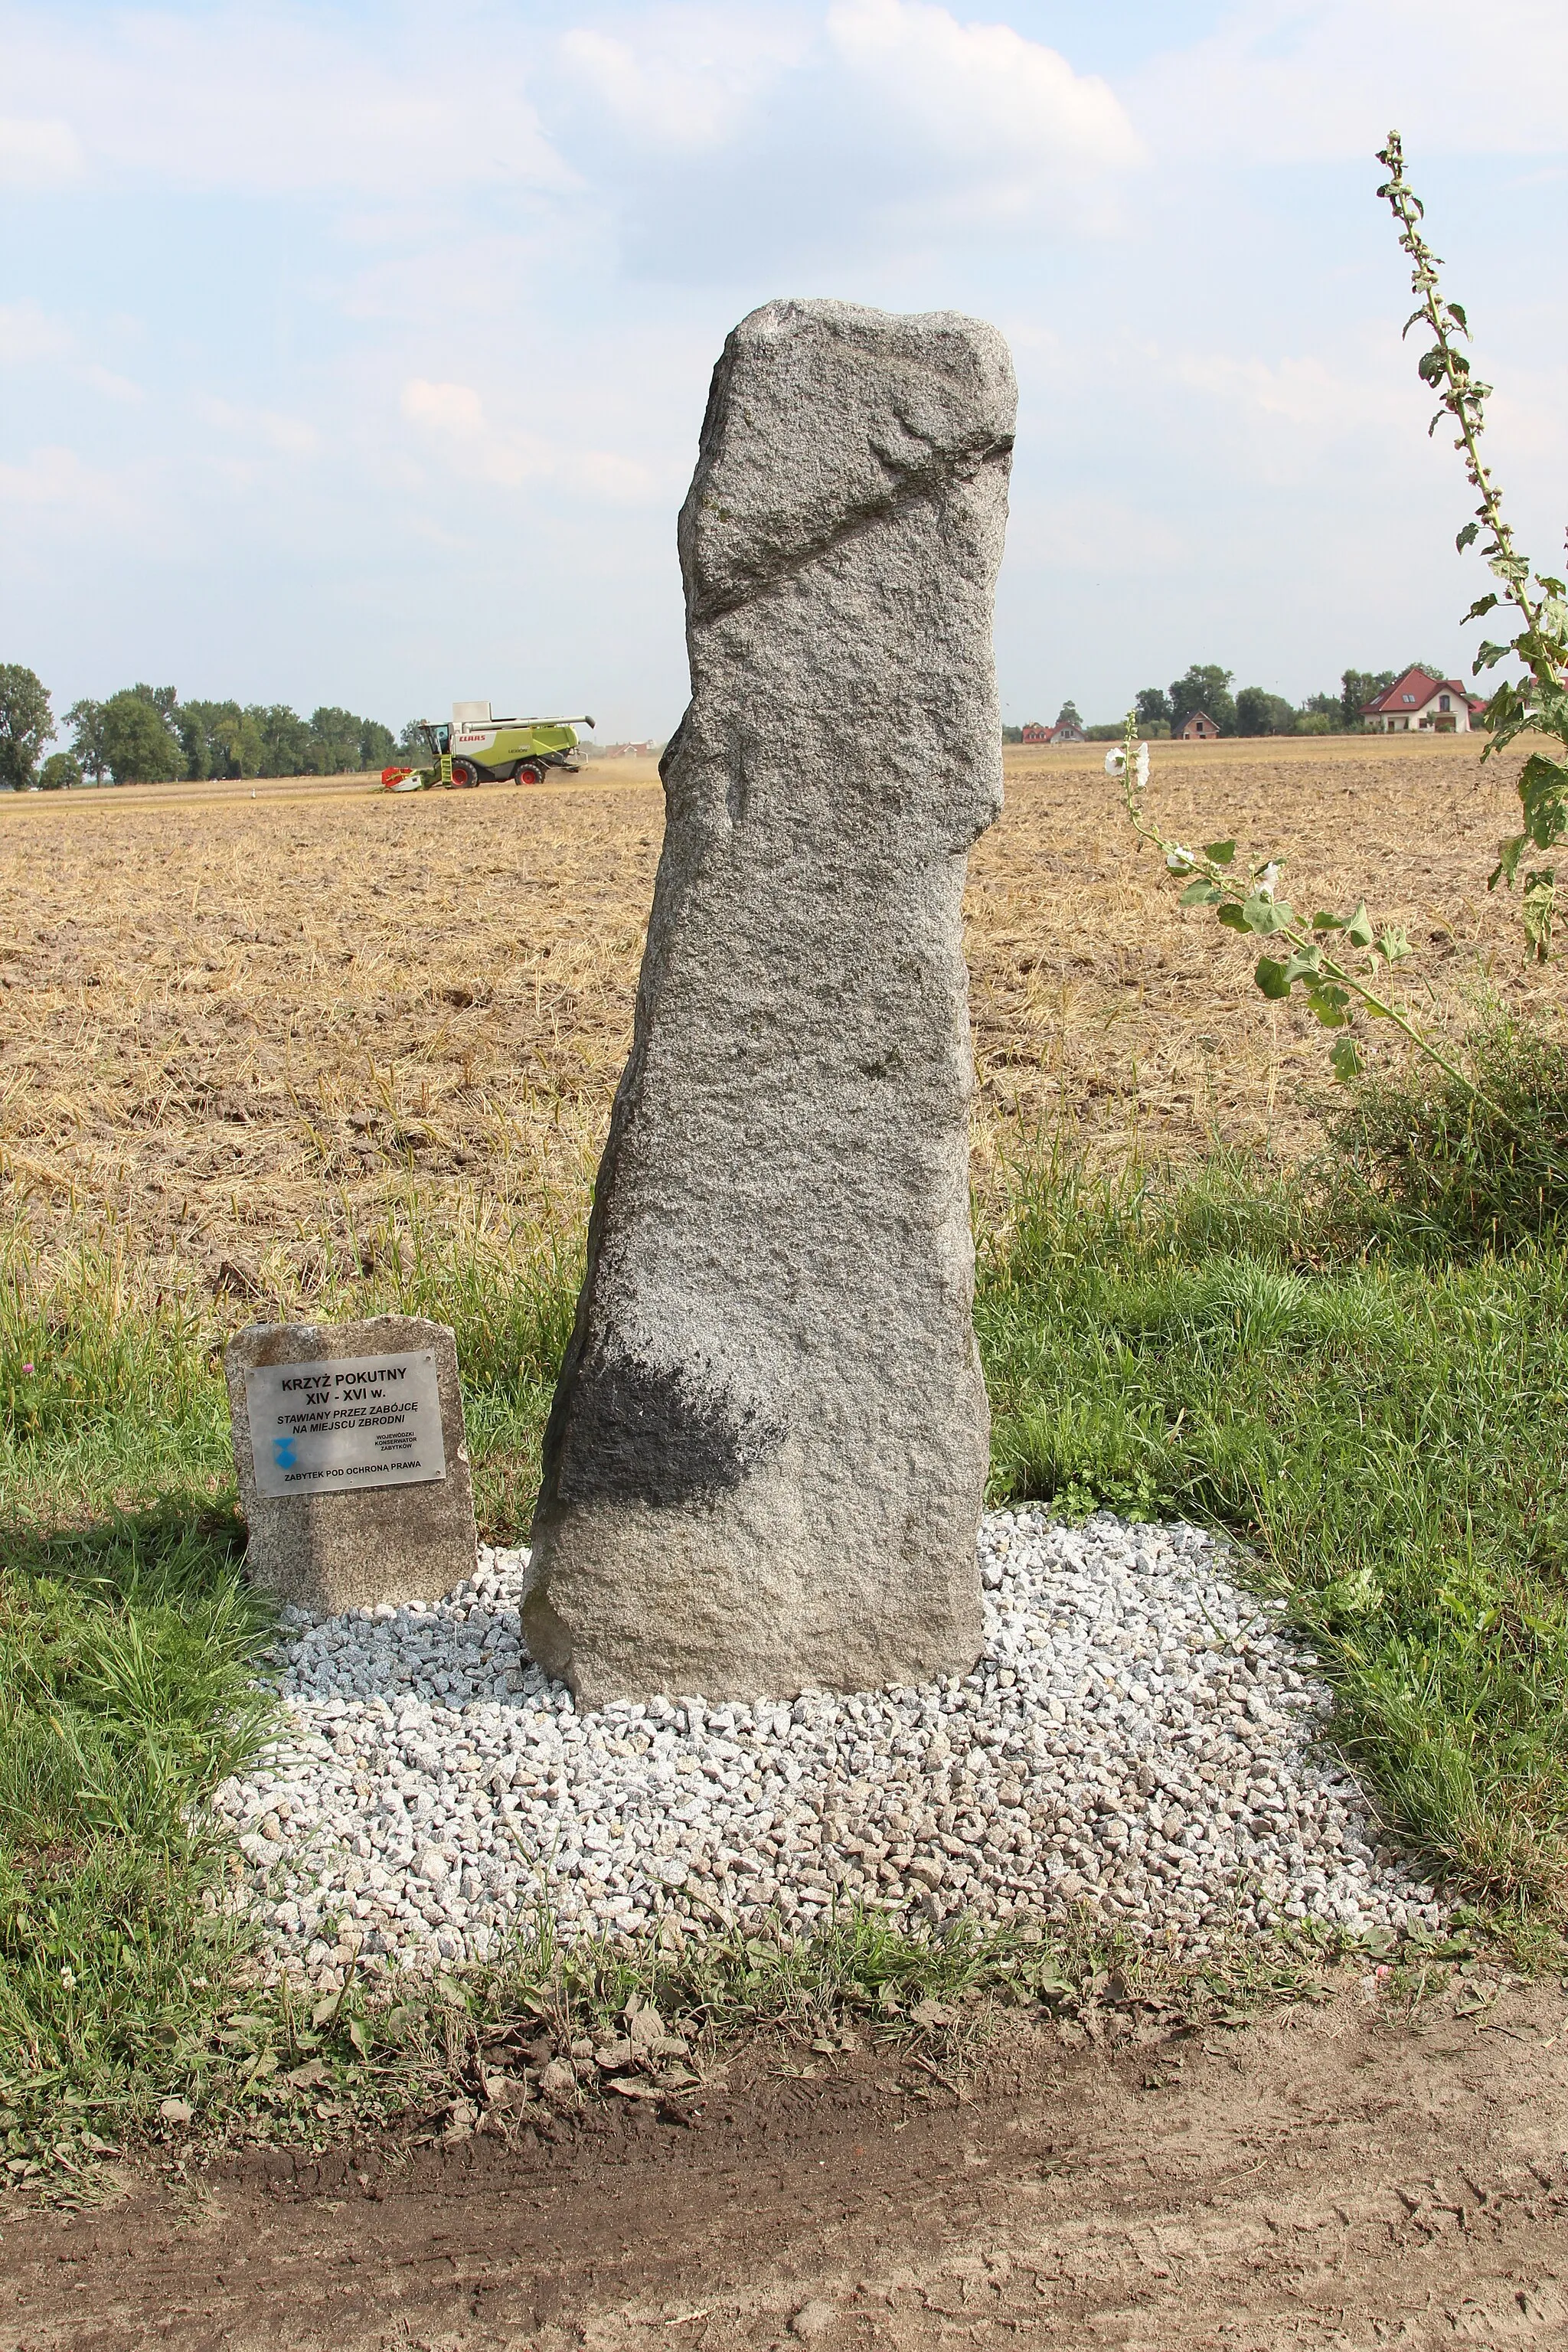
point(1270, 978)
point(1488, 656)
point(1345, 1056)
point(1328, 1003)
point(1330, 922)
point(1220, 853)
point(1232, 916)
point(1543, 797)
point(1471, 532)
point(1303, 964)
point(1200, 894)
point(1433, 366)
point(1540, 900)
point(1265, 915)
point(1359, 929)
point(1509, 854)
point(358, 2036)
point(1483, 605)
point(1456, 312)
point(1393, 943)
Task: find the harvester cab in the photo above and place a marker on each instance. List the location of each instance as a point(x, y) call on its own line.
point(474, 748)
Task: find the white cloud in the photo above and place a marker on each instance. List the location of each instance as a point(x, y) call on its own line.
point(31, 337)
point(1014, 106)
point(756, 139)
point(105, 381)
point(691, 78)
point(28, 335)
point(453, 419)
point(267, 97)
point(1284, 82)
point(269, 428)
point(1300, 393)
point(39, 153)
point(56, 482)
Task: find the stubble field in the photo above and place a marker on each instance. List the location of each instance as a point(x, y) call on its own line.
point(246, 1036)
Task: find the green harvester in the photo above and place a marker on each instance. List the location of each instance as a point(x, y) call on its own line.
point(474, 748)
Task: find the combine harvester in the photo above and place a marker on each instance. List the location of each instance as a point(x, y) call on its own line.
point(476, 748)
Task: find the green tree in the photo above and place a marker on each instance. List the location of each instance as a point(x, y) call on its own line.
point(1360, 686)
point(1206, 687)
point(1259, 712)
point(27, 724)
point(1322, 706)
point(139, 744)
point(288, 747)
point(59, 773)
point(1068, 715)
point(192, 728)
point(1153, 707)
point(233, 742)
point(85, 720)
point(375, 745)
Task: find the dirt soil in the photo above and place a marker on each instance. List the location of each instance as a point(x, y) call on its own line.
point(237, 1034)
point(1340, 2177)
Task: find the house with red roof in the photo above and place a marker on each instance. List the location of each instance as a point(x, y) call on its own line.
point(1067, 733)
point(1441, 705)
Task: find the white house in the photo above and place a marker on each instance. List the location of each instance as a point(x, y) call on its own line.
point(1419, 701)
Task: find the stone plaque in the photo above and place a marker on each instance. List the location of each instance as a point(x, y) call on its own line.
point(352, 1459)
point(366, 1421)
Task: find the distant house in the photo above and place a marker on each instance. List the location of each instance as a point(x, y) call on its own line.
point(1035, 733)
point(1071, 733)
point(1419, 701)
point(1199, 728)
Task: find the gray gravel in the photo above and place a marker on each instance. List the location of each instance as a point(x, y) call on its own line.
point(1138, 1737)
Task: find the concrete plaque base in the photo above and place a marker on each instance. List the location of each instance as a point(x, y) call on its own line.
point(362, 1539)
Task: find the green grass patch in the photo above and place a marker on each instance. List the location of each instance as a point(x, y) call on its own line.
point(1384, 1432)
point(1362, 1375)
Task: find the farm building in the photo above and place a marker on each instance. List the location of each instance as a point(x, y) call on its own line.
point(1420, 700)
point(1199, 728)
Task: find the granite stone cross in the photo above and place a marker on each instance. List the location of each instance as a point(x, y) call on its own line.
point(765, 1460)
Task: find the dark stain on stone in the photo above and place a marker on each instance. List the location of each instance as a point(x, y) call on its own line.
point(632, 1431)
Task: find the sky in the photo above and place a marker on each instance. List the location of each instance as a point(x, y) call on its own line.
point(356, 354)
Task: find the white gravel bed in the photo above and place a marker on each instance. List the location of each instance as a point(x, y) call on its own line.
point(1138, 1737)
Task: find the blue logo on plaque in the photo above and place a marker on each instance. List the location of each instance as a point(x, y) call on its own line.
point(283, 1452)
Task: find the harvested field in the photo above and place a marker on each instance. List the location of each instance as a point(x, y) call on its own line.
point(243, 1031)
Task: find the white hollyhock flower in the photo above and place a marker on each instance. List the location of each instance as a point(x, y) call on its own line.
point(1140, 766)
point(1180, 859)
point(1113, 763)
point(1264, 888)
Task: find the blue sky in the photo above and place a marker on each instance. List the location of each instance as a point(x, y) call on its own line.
point(357, 353)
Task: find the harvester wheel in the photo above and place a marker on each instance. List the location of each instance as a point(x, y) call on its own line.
point(465, 775)
point(528, 771)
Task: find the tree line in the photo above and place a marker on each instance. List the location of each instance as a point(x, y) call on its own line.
point(146, 735)
point(1252, 711)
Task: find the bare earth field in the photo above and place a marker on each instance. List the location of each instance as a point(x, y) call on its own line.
point(1339, 2178)
point(241, 1029)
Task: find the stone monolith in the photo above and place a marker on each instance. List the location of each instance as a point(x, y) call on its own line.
point(764, 1461)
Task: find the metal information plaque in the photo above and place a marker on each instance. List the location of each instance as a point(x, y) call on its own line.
point(328, 1427)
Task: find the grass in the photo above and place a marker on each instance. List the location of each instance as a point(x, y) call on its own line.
point(1347, 1373)
point(1384, 1431)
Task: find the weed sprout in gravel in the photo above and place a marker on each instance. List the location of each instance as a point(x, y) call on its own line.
point(1138, 1735)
